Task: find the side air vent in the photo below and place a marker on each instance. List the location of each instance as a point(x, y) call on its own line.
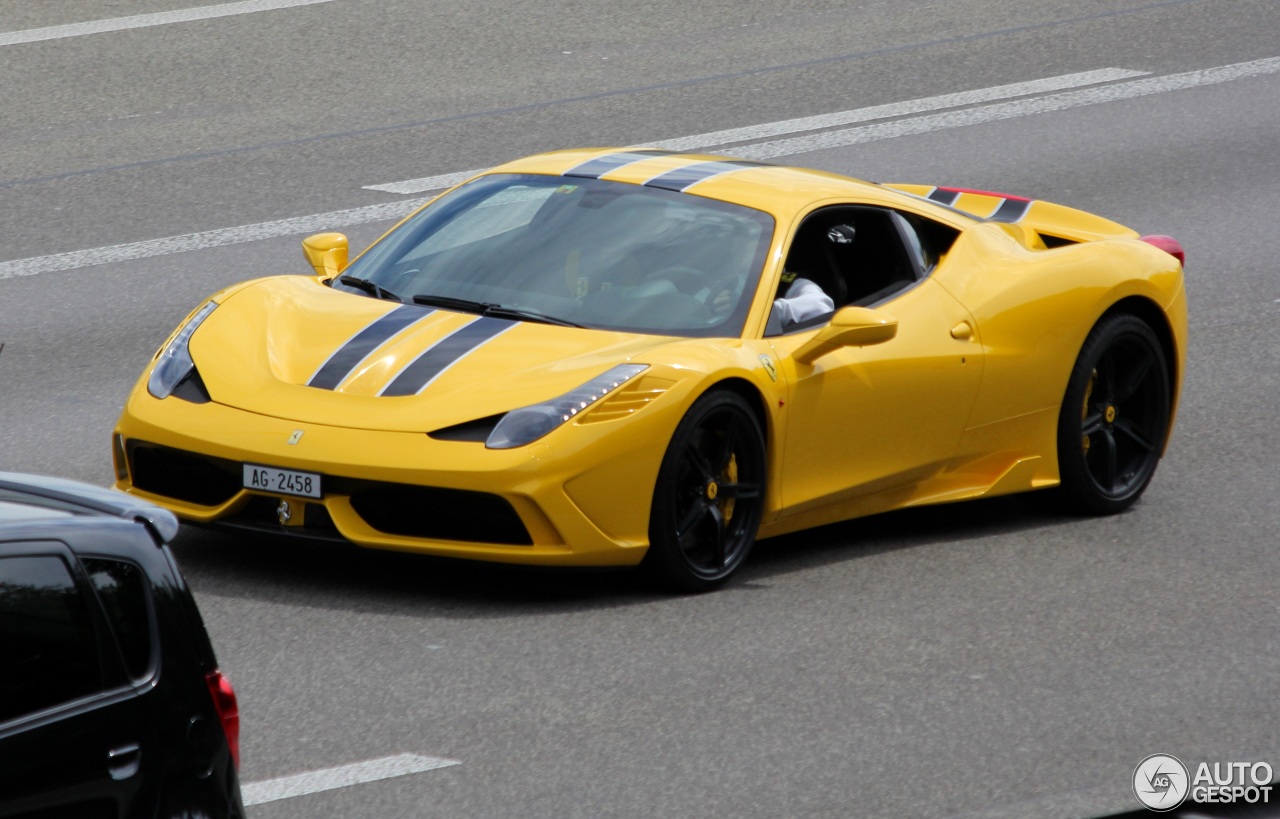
point(1051, 241)
point(629, 400)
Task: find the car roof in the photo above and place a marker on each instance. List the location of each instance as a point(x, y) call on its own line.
point(777, 189)
point(25, 499)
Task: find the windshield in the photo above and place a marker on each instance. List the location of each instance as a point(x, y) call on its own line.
point(607, 255)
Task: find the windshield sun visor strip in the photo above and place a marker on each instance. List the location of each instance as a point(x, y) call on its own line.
point(682, 179)
point(451, 349)
point(349, 356)
point(601, 165)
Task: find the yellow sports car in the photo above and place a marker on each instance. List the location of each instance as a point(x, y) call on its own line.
point(636, 357)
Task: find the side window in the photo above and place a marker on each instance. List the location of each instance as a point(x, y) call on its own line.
point(856, 254)
point(927, 240)
point(125, 594)
point(923, 260)
point(47, 637)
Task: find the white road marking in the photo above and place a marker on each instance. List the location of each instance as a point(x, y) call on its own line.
point(1142, 86)
point(794, 126)
point(209, 239)
point(33, 35)
point(287, 787)
point(426, 183)
point(1009, 110)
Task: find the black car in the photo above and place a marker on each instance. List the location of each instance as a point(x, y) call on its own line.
point(111, 701)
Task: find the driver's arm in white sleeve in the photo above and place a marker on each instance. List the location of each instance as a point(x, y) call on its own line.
point(804, 300)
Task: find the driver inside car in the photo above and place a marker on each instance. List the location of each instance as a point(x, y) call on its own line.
point(800, 300)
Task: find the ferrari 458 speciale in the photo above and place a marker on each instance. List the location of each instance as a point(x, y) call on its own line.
point(581, 358)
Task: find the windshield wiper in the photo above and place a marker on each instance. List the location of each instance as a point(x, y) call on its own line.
point(485, 308)
point(369, 287)
point(526, 315)
point(450, 302)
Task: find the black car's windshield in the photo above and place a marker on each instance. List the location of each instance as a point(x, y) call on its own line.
point(588, 252)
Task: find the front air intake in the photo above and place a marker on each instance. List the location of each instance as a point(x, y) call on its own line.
point(438, 514)
point(184, 476)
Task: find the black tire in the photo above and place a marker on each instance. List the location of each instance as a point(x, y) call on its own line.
point(709, 496)
point(1114, 418)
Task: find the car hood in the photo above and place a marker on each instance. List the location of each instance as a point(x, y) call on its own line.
point(290, 347)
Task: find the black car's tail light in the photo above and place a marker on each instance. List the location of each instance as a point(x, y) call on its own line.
point(224, 702)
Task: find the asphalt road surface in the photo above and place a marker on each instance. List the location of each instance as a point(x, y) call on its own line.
point(978, 660)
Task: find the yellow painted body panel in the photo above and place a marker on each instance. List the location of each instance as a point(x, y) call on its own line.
point(259, 357)
point(961, 402)
point(870, 415)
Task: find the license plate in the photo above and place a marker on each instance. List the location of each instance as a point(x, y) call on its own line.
point(283, 481)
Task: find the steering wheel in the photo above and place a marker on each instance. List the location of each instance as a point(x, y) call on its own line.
point(688, 280)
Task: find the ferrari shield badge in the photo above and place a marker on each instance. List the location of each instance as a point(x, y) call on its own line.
point(768, 367)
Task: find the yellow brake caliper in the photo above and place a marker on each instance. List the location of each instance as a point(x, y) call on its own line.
point(730, 476)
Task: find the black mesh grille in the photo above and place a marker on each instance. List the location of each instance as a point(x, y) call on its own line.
point(185, 476)
point(443, 514)
point(392, 508)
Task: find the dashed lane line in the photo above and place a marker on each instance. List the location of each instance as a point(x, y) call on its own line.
point(328, 779)
point(795, 126)
point(1127, 89)
point(35, 35)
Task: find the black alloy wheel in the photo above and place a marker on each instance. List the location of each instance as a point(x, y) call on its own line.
point(1114, 418)
point(709, 496)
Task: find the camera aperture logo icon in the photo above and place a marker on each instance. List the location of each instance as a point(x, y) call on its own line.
point(1161, 782)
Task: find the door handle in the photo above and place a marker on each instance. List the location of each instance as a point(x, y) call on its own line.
point(962, 331)
point(124, 762)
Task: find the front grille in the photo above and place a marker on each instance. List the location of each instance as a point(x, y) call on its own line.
point(261, 513)
point(439, 514)
point(184, 476)
point(391, 508)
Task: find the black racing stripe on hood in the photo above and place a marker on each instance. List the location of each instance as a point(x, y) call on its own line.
point(683, 178)
point(346, 358)
point(601, 165)
point(433, 361)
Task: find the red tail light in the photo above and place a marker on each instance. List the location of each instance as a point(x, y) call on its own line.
point(1169, 245)
point(224, 702)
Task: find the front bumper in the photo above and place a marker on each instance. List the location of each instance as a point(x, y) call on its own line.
point(580, 497)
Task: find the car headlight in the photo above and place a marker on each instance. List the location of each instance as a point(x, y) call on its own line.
point(174, 362)
point(528, 424)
